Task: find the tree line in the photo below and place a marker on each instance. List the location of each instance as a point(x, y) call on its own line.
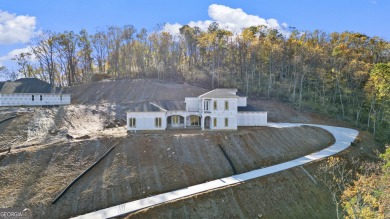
point(359, 189)
point(345, 75)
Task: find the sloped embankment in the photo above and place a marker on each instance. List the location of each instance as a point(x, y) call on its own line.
point(287, 194)
point(128, 91)
point(142, 164)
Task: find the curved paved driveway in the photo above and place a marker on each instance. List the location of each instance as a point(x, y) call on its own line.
point(343, 136)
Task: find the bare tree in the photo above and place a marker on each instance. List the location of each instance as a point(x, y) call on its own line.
point(44, 52)
point(23, 61)
point(337, 174)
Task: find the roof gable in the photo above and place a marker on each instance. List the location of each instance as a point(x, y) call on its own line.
point(220, 93)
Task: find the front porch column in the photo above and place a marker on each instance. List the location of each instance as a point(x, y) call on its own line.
point(185, 121)
point(202, 122)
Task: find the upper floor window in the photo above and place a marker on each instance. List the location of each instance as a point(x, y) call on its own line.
point(206, 106)
point(132, 122)
point(226, 105)
point(157, 122)
point(215, 105)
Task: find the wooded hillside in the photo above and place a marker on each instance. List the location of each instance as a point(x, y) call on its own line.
point(345, 75)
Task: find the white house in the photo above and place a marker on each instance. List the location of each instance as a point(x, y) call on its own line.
point(219, 109)
point(34, 99)
point(31, 92)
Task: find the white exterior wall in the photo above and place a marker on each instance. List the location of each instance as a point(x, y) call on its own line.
point(241, 101)
point(192, 104)
point(220, 113)
point(252, 118)
point(232, 123)
point(176, 113)
point(146, 120)
point(25, 99)
point(221, 106)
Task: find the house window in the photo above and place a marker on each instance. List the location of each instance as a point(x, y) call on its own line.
point(226, 122)
point(215, 105)
point(157, 122)
point(61, 97)
point(132, 122)
point(215, 122)
point(32, 97)
point(206, 106)
point(40, 97)
point(226, 105)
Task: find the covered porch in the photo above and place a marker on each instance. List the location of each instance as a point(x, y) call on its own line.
point(193, 121)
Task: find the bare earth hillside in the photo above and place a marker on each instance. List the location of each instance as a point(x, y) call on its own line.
point(288, 194)
point(141, 165)
point(52, 146)
point(128, 91)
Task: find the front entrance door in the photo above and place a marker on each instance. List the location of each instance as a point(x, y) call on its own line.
point(207, 122)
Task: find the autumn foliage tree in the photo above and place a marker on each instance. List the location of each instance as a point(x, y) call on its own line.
point(368, 196)
point(344, 75)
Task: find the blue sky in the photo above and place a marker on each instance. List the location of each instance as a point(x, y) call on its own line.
point(20, 19)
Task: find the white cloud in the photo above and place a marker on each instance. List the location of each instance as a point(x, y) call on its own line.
point(238, 17)
point(172, 28)
point(233, 19)
point(8, 58)
point(16, 28)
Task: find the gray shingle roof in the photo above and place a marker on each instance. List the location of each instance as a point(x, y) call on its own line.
point(159, 106)
point(247, 108)
point(171, 105)
point(25, 85)
point(145, 107)
point(220, 93)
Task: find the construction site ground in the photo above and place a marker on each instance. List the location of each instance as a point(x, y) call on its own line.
point(52, 146)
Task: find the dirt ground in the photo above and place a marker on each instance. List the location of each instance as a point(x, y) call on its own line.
point(52, 146)
point(127, 91)
point(37, 126)
point(282, 112)
point(288, 194)
point(142, 164)
point(294, 193)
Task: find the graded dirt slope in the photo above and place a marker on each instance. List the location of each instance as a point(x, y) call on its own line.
point(129, 91)
point(288, 194)
point(142, 164)
point(36, 126)
point(283, 112)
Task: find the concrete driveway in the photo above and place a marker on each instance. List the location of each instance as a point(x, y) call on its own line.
point(343, 139)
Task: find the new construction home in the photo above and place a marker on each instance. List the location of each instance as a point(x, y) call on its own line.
point(30, 92)
point(219, 109)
